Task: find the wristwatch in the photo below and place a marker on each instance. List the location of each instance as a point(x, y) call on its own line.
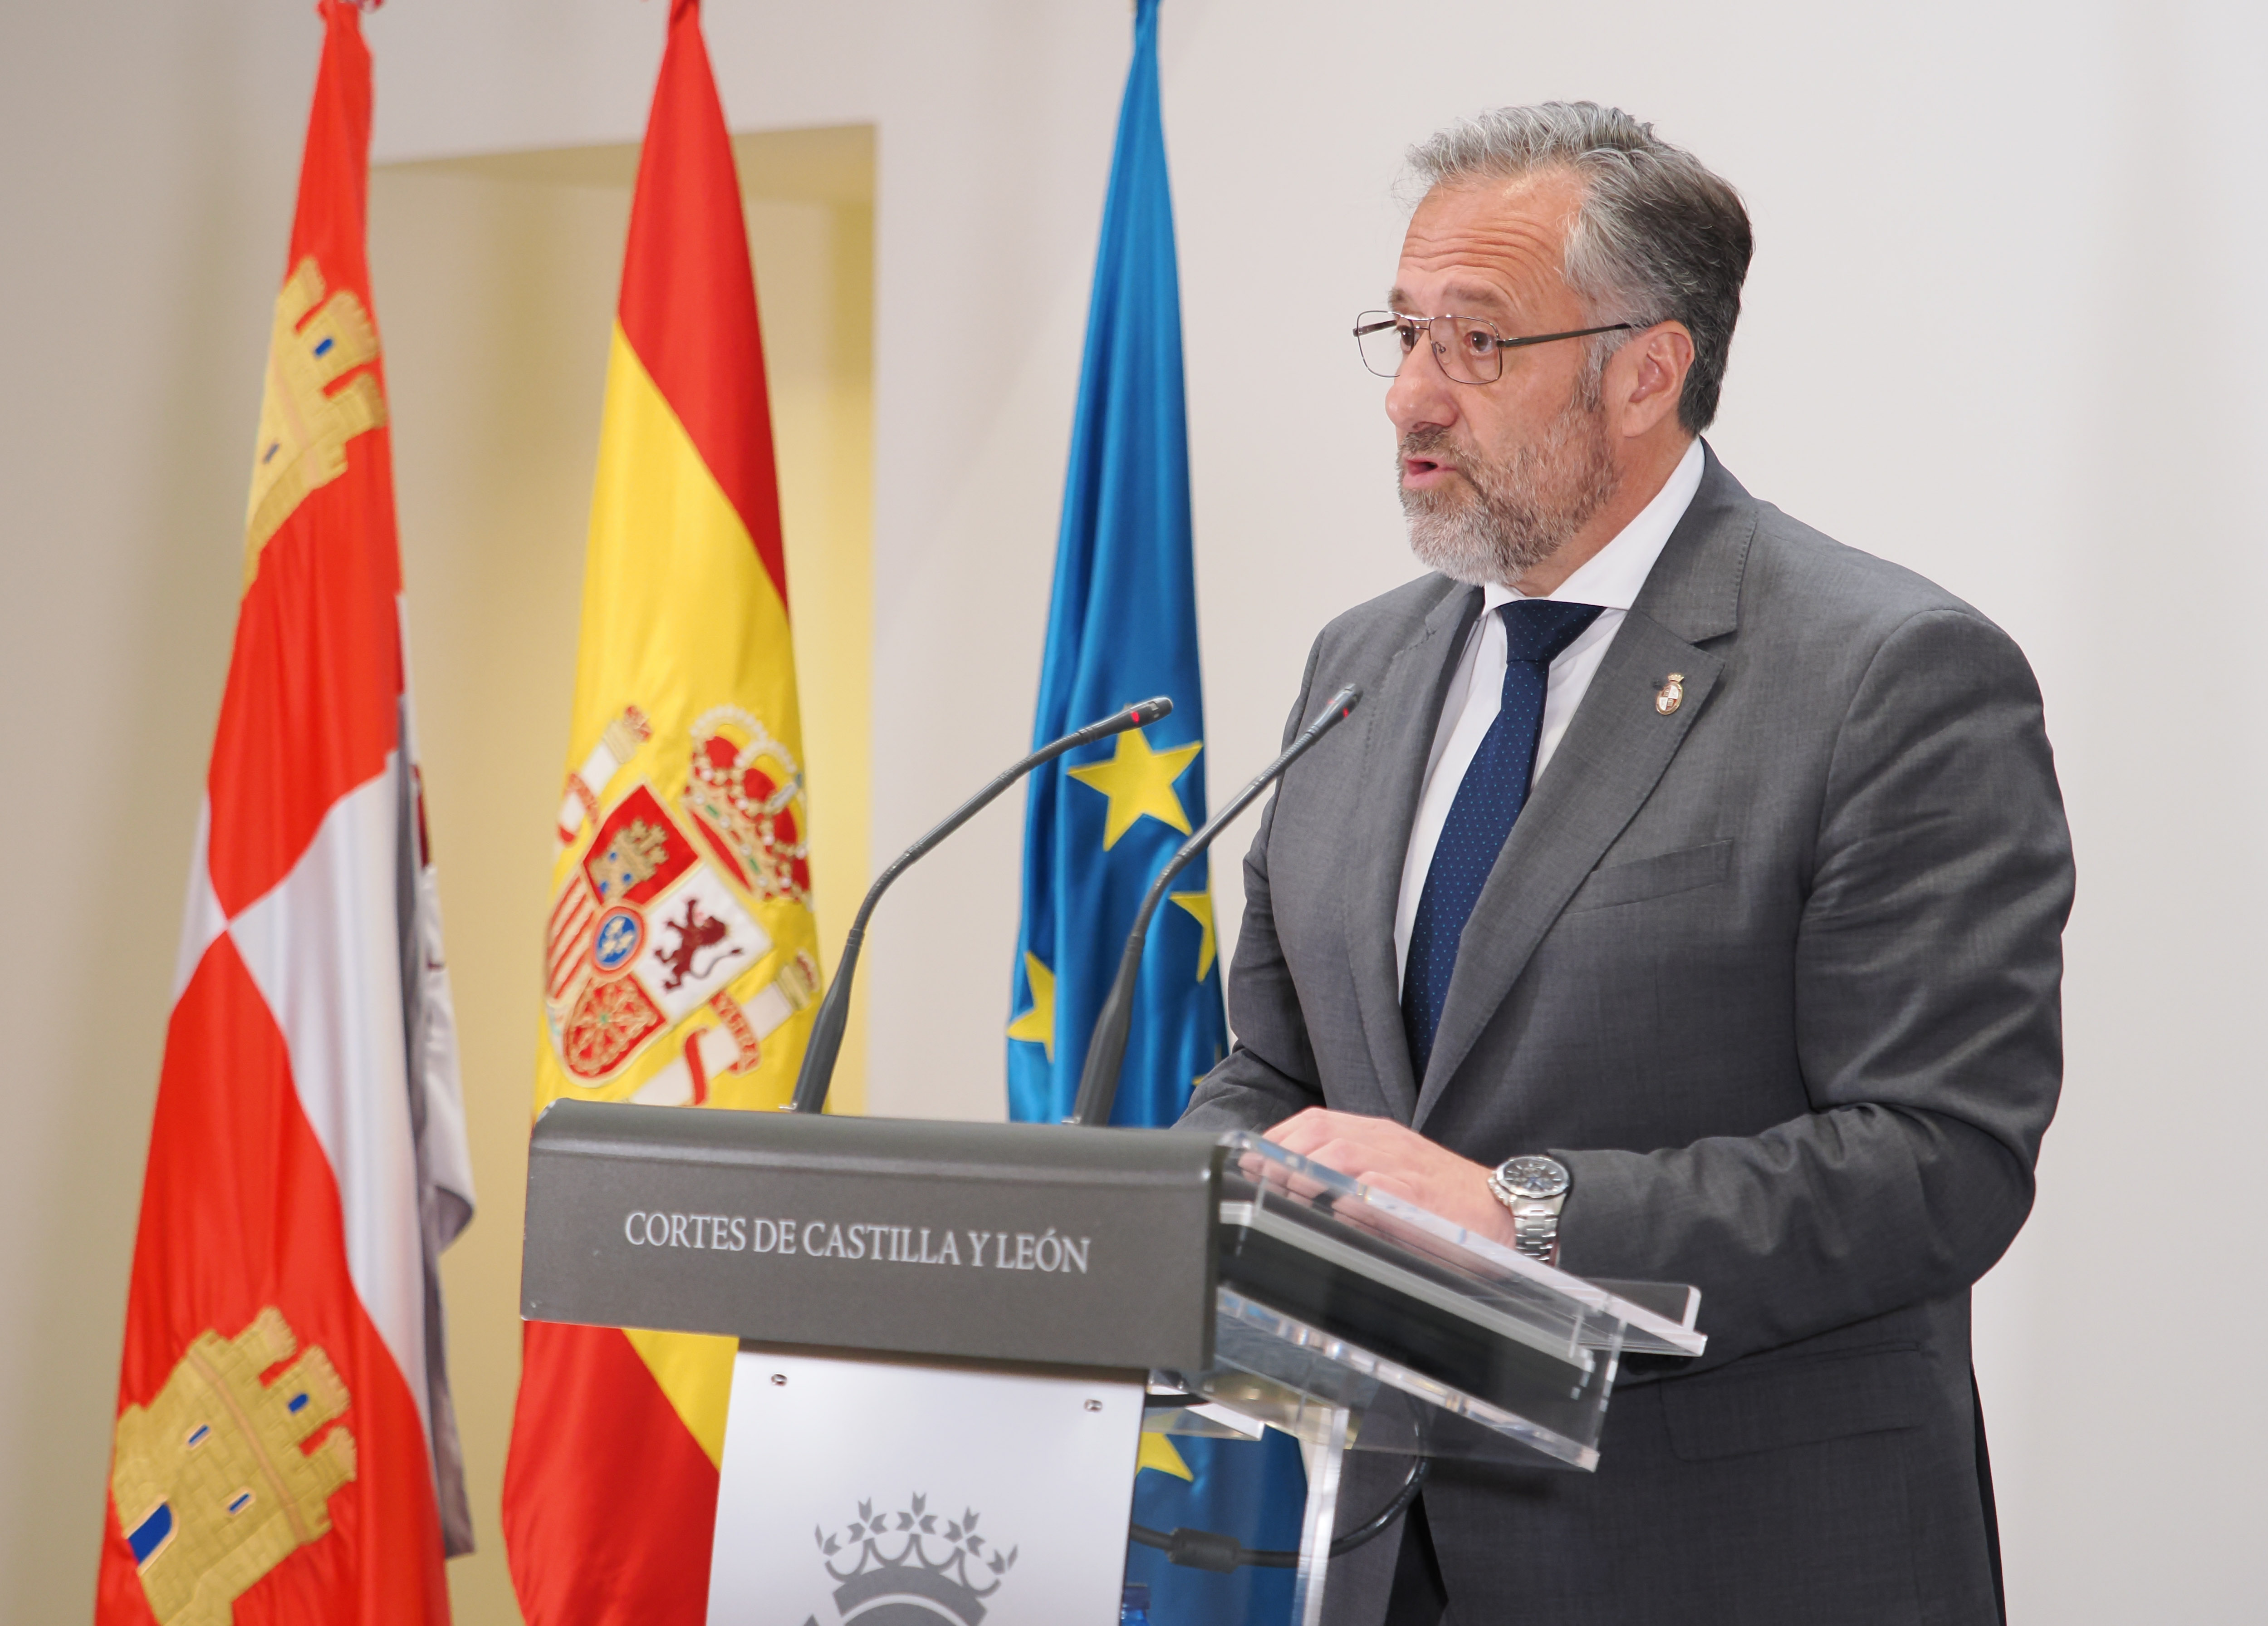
point(1534, 1187)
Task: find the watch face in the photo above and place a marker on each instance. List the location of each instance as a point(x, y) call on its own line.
point(1533, 1177)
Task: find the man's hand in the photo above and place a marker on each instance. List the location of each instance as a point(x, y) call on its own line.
point(1383, 1154)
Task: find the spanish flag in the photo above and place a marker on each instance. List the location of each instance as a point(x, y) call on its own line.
point(285, 1449)
point(679, 953)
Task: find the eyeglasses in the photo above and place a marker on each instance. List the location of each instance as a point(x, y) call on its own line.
point(1472, 352)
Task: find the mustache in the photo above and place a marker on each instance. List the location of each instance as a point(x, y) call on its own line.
point(1431, 441)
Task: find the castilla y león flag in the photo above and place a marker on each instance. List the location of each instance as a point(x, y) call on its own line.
point(285, 1449)
point(679, 953)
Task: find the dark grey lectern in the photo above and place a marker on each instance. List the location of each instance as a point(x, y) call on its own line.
point(953, 1336)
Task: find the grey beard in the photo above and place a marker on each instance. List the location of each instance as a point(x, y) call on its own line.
point(1516, 514)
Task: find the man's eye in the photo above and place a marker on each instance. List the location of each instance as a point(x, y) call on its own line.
point(1407, 332)
point(1479, 342)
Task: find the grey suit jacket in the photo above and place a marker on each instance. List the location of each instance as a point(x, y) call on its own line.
point(1777, 976)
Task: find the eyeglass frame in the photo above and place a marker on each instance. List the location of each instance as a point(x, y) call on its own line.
point(1440, 351)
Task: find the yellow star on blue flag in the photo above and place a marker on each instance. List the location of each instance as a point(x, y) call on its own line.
point(1139, 783)
point(1038, 1024)
point(1200, 907)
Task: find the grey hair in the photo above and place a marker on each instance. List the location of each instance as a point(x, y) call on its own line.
point(1657, 237)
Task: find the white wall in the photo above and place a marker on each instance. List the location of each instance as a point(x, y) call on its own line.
point(2000, 328)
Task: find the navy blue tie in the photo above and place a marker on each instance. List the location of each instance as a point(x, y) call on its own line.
point(1489, 799)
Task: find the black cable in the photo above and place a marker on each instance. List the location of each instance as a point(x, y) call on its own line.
point(1205, 1549)
point(1387, 1514)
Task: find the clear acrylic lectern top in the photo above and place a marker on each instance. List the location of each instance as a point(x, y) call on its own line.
point(1431, 1340)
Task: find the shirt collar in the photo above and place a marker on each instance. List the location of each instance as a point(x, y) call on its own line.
point(1612, 577)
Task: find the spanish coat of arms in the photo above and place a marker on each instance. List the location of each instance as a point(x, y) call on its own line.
point(653, 919)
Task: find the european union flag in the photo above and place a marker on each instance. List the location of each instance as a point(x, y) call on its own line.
point(1099, 824)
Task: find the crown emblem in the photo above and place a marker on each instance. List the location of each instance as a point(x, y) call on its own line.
point(746, 792)
point(902, 1568)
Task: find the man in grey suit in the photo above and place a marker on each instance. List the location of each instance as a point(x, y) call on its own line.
point(1684, 902)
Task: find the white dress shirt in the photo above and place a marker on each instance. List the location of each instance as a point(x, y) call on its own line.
point(1609, 578)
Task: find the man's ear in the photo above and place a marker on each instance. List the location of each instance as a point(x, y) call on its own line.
point(1650, 372)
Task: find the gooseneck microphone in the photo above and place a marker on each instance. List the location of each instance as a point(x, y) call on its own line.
point(1106, 1050)
point(834, 1011)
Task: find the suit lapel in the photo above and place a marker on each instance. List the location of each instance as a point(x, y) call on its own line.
point(1403, 717)
point(1613, 754)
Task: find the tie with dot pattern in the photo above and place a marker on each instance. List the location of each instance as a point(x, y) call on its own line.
point(1489, 799)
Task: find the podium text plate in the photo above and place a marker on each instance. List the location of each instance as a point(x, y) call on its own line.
point(1003, 1242)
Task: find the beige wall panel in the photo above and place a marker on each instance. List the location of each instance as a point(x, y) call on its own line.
point(496, 281)
point(495, 297)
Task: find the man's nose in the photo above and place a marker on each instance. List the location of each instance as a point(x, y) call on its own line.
point(1421, 392)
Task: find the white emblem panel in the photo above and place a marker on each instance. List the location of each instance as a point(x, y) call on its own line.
point(855, 1488)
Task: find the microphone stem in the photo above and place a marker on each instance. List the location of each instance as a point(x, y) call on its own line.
point(1106, 1048)
point(827, 1029)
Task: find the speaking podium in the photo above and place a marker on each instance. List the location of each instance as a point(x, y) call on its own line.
point(951, 1337)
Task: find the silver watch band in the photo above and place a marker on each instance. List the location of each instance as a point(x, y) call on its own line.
point(1535, 1220)
point(1535, 1227)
